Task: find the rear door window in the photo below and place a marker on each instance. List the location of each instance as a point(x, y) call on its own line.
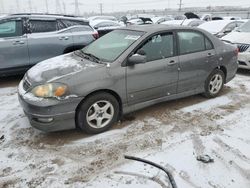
point(191, 42)
point(42, 26)
point(12, 28)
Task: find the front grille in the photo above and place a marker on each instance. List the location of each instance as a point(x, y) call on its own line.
point(243, 47)
point(242, 63)
point(26, 84)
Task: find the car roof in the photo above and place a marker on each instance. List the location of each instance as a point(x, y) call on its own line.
point(101, 17)
point(179, 22)
point(151, 28)
point(95, 22)
point(42, 15)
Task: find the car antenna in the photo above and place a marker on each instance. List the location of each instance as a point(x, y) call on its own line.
point(170, 177)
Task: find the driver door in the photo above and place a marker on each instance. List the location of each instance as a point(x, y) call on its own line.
point(157, 77)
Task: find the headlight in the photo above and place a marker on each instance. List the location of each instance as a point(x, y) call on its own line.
point(50, 90)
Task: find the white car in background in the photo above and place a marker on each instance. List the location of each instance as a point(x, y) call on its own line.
point(231, 18)
point(104, 26)
point(111, 18)
point(187, 22)
point(160, 19)
point(139, 21)
point(241, 38)
point(220, 28)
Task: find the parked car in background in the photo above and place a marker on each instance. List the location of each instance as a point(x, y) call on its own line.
point(139, 21)
point(206, 17)
point(26, 39)
point(217, 18)
point(142, 16)
point(220, 28)
point(111, 18)
point(160, 19)
point(241, 38)
point(104, 26)
point(180, 17)
point(126, 70)
point(186, 22)
point(231, 18)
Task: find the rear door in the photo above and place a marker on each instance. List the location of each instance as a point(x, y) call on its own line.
point(159, 75)
point(197, 60)
point(45, 41)
point(13, 44)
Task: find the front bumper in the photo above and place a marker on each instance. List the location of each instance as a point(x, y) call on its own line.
point(49, 115)
point(244, 60)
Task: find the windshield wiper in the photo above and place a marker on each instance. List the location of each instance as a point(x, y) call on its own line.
point(91, 57)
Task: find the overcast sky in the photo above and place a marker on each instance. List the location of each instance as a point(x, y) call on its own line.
point(68, 6)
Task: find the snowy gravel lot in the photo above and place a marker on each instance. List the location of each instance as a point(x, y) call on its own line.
point(171, 134)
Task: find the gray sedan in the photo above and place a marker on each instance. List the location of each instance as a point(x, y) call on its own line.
point(123, 71)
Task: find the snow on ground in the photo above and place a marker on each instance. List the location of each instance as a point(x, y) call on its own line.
point(171, 134)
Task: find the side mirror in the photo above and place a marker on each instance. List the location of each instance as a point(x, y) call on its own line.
point(136, 59)
point(96, 27)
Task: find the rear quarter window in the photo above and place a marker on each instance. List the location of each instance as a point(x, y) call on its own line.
point(191, 42)
point(209, 44)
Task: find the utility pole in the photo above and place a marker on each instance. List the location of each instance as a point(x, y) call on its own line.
point(77, 11)
point(17, 6)
point(77, 7)
point(30, 6)
point(47, 6)
point(58, 7)
point(64, 8)
point(180, 5)
point(2, 7)
point(101, 8)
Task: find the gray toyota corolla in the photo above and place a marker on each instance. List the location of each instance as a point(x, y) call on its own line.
point(123, 71)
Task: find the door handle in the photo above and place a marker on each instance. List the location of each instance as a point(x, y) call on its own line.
point(63, 38)
point(18, 42)
point(210, 55)
point(172, 62)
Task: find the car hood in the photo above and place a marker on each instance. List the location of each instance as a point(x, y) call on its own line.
point(238, 37)
point(58, 67)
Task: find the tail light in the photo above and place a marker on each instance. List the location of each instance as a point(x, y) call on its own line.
point(96, 35)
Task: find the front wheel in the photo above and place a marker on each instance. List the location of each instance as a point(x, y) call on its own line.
point(97, 113)
point(214, 83)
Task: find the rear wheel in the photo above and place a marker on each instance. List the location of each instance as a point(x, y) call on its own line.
point(97, 113)
point(214, 83)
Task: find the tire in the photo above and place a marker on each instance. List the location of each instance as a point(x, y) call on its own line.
point(97, 113)
point(214, 83)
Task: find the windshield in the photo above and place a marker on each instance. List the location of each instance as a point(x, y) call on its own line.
point(245, 27)
point(112, 45)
